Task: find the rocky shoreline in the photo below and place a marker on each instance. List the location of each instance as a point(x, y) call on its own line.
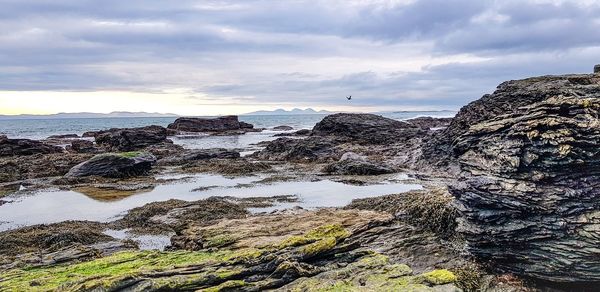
point(509, 201)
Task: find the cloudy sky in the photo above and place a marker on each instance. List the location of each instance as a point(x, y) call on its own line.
point(216, 57)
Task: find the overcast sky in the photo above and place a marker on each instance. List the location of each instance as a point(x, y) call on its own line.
point(217, 57)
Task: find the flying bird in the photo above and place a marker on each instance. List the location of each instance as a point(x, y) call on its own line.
point(349, 97)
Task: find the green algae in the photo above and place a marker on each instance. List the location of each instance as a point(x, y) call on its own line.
point(326, 231)
point(105, 272)
point(131, 154)
point(371, 273)
point(439, 277)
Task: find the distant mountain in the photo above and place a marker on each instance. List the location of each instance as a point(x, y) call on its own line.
point(296, 111)
point(88, 116)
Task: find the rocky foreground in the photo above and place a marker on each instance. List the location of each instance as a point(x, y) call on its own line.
point(510, 203)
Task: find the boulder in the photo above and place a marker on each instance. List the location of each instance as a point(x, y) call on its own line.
point(114, 165)
point(130, 139)
point(220, 124)
point(530, 191)
point(365, 128)
point(282, 128)
point(15, 147)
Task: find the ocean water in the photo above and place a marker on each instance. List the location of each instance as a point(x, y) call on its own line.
point(42, 128)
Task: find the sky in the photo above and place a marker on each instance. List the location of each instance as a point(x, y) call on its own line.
point(230, 57)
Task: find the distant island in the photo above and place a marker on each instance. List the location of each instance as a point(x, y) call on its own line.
point(296, 111)
point(85, 115)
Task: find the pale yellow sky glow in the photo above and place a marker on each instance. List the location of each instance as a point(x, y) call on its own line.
point(49, 102)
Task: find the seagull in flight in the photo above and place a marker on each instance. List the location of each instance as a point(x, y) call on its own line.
point(349, 97)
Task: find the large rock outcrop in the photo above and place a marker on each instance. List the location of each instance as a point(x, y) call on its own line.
point(131, 139)
point(327, 139)
point(114, 165)
point(220, 124)
point(365, 128)
point(530, 191)
point(16, 147)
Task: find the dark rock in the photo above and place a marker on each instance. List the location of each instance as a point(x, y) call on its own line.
point(115, 165)
point(309, 149)
point(303, 132)
point(283, 128)
point(356, 167)
point(597, 68)
point(82, 146)
point(202, 154)
point(65, 136)
point(427, 123)
point(15, 147)
point(90, 134)
point(130, 139)
point(220, 124)
point(38, 166)
point(365, 128)
point(530, 194)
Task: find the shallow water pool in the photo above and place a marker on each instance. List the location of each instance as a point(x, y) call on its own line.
point(55, 206)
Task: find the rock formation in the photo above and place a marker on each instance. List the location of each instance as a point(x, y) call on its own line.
point(15, 147)
point(365, 128)
point(114, 165)
point(220, 124)
point(325, 142)
point(530, 192)
point(131, 139)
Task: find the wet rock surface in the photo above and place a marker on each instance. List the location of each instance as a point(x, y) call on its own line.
point(530, 160)
point(130, 139)
point(283, 128)
point(356, 167)
point(119, 165)
point(18, 147)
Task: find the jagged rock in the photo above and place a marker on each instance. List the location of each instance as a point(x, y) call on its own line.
point(365, 128)
point(427, 123)
point(130, 139)
point(82, 146)
point(597, 68)
point(356, 167)
point(15, 147)
point(530, 153)
point(201, 154)
point(283, 128)
point(220, 124)
point(114, 165)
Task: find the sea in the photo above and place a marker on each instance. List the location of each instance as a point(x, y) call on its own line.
point(42, 128)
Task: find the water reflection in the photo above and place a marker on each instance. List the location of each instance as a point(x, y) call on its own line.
point(55, 206)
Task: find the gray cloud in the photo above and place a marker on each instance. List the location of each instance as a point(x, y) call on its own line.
point(267, 51)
